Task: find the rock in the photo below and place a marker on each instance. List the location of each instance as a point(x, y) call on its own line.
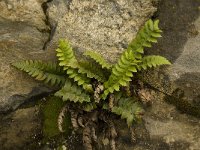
point(176, 130)
point(163, 127)
point(20, 129)
point(19, 41)
point(104, 26)
point(29, 11)
point(180, 22)
point(21, 37)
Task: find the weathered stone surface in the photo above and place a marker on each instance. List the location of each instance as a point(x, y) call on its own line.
point(164, 127)
point(18, 130)
point(100, 25)
point(176, 130)
point(28, 11)
point(180, 21)
point(18, 41)
point(22, 36)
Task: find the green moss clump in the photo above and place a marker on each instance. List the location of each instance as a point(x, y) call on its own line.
point(50, 111)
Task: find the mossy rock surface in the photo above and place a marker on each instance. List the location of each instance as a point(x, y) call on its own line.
point(50, 109)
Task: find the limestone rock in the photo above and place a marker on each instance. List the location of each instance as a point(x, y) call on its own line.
point(100, 25)
point(20, 40)
point(20, 129)
point(180, 43)
point(163, 127)
point(29, 11)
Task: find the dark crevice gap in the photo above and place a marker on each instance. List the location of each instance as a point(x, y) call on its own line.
point(24, 101)
point(51, 29)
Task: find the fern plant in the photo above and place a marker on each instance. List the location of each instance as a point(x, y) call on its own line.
point(93, 84)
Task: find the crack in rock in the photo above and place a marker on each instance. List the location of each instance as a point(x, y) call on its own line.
point(51, 28)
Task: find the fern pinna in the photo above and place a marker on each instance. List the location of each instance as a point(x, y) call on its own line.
point(50, 73)
point(128, 109)
point(72, 92)
point(92, 83)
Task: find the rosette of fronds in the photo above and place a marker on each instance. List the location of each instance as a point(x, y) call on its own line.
point(92, 84)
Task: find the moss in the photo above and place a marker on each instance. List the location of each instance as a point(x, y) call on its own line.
point(50, 111)
point(183, 104)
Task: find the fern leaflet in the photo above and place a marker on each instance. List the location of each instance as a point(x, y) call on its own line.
point(47, 72)
point(65, 55)
point(147, 35)
point(89, 107)
point(81, 79)
point(152, 61)
point(98, 58)
point(128, 109)
point(121, 73)
point(72, 93)
point(68, 60)
point(92, 70)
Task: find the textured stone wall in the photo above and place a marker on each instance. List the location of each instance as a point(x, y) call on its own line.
point(100, 25)
point(30, 29)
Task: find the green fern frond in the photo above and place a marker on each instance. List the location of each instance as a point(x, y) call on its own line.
point(65, 54)
point(72, 92)
point(68, 60)
point(152, 61)
point(50, 73)
point(128, 109)
point(92, 70)
point(129, 60)
point(81, 79)
point(121, 73)
point(98, 58)
point(147, 35)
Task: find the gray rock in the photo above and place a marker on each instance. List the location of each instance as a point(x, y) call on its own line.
point(180, 22)
point(18, 41)
point(179, 84)
point(100, 25)
point(166, 123)
point(24, 11)
point(163, 127)
point(20, 129)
